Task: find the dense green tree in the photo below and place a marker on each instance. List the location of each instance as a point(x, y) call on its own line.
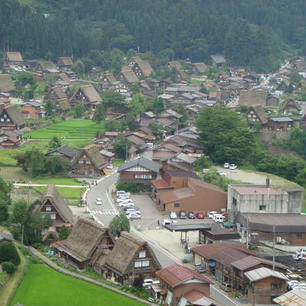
point(78, 111)
point(121, 145)
point(9, 253)
point(55, 142)
point(119, 223)
point(63, 233)
point(114, 100)
point(157, 130)
point(297, 141)
point(49, 108)
point(224, 135)
point(5, 199)
point(99, 114)
point(157, 106)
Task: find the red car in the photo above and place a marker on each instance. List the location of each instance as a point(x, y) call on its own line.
point(200, 215)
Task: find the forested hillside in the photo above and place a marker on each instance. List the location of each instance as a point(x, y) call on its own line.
point(256, 33)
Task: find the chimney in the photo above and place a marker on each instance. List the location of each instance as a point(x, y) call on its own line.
point(267, 182)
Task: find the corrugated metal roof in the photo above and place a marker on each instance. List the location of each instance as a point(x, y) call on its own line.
point(261, 273)
point(295, 297)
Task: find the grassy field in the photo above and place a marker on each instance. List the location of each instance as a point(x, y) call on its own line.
point(75, 129)
point(70, 194)
point(7, 155)
point(43, 286)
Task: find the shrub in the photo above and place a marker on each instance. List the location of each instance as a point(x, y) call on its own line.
point(8, 252)
point(129, 187)
point(8, 267)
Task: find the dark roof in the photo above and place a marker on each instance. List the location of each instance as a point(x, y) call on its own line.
point(208, 250)
point(144, 162)
point(252, 261)
point(15, 114)
point(284, 223)
point(93, 153)
point(227, 256)
point(260, 112)
point(58, 202)
point(175, 274)
point(281, 119)
point(217, 232)
point(65, 150)
point(182, 173)
point(218, 58)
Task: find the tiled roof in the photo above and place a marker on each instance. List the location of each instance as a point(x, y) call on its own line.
point(176, 274)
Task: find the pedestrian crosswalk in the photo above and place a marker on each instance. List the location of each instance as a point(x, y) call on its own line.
point(105, 212)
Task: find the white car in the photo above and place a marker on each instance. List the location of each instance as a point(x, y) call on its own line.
point(226, 165)
point(173, 215)
point(109, 167)
point(211, 214)
point(126, 204)
point(122, 199)
point(232, 167)
point(222, 173)
point(122, 192)
point(133, 216)
point(98, 201)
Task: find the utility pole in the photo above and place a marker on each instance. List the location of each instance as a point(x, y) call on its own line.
point(247, 232)
point(273, 247)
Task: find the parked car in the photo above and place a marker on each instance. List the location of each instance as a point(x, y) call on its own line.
point(232, 166)
point(109, 167)
point(173, 215)
point(148, 282)
point(219, 218)
point(226, 287)
point(222, 173)
point(98, 201)
point(226, 165)
point(191, 215)
point(120, 192)
point(166, 222)
point(182, 215)
point(126, 204)
point(134, 216)
point(200, 215)
point(211, 214)
point(132, 211)
point(199, 268)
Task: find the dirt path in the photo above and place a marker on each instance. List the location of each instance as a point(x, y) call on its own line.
point(9, 289)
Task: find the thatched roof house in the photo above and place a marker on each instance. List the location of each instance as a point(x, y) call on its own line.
point(127, 75)
point(54, 205)
point(85, 243)
point(6, 83)
point(130, 260)
point(87, 95)
point(257, 113)
point(13, 57)
point(11, 118)
point(253, 97)
point(140, 66)
point(65, 61)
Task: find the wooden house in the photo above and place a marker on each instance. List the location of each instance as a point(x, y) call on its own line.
point(86, 242)
point(56, 207)
point(291, 107)
point(12, 58)
point(107, 80)
point(65, 62)
point(127, 76)
point(58, 96)
point(140, 67)
point(65, 152)
point(198, 68)
point(131, 261)
point(11, 118)
point(280, 123)
point(86, 95)
point(183, 286)
point(253, 97)
point(180, 73)
point(139, 171)
point(218, 60)
point(256, 113)
point(265, 285)
point(272, 100)
point(90, 162)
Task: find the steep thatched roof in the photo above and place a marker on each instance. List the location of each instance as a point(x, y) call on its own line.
point(84, 238)
point(129, 74)
point(126, 248)
point(65, 60)
point(93, 153)
point(260, 112)
point(90, 93)
point(6, 83)
point(14, 56)
point(200, 67)
point(47, 65)
point(144, 65)
point(63, 104)
point(58, 92)
point(253, 97)
point(109, 76)
point(51, 194)
point(15, 114)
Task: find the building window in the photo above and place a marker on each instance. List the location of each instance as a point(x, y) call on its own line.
point(145, 263)
point(299, 235)
point(143, 176)
point(275, 286)
point(177, 204)
point(262, 207)
point(88, 162)
point(142, 254)
point(48, 208)
point(53, 216)
point(2, 120)
point(80, 162)
point(137, 264)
